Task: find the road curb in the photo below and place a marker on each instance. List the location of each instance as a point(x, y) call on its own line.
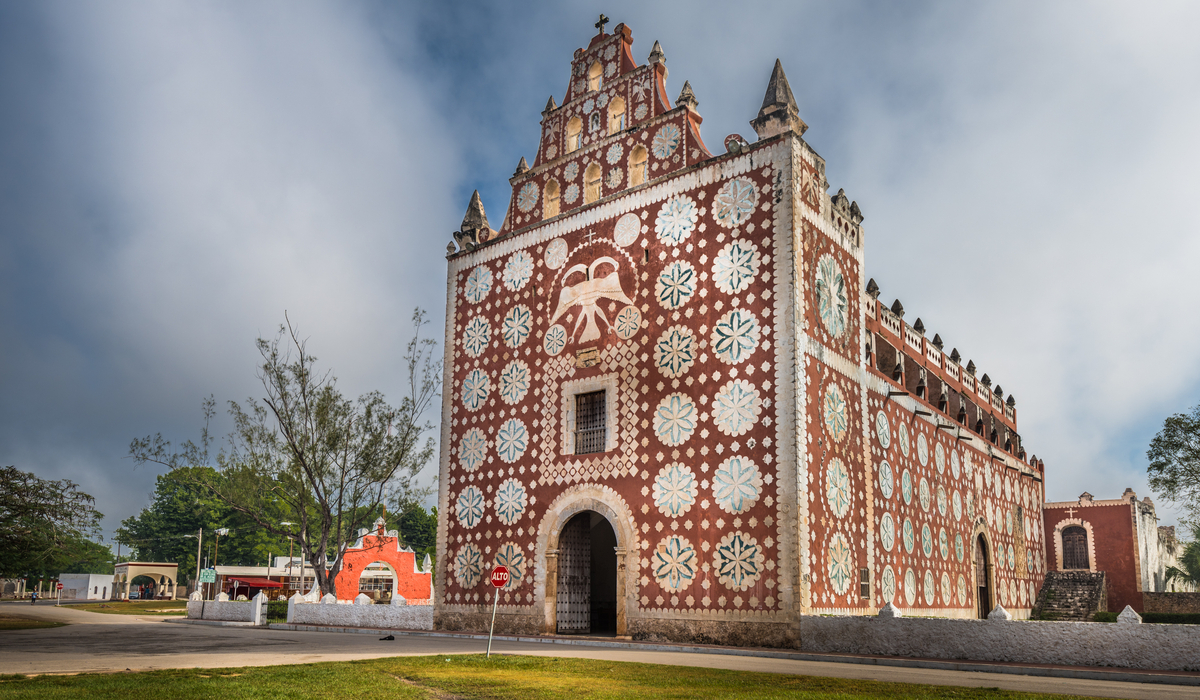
point(212, 623)
point(1081, 673)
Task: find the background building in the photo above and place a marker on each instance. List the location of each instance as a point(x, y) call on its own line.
point(1120, 537)
point(674, 408)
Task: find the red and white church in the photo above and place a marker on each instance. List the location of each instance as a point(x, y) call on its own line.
point(675, 408)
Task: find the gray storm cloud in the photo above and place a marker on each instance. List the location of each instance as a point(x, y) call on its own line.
point(177, 175)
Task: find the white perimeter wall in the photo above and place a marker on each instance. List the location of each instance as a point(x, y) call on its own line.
point(229, 611)
point(1123, 645)
point(398, 617)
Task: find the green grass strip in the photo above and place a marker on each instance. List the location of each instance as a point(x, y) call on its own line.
point(21, 623)
point(147, 607)
point(473, 676)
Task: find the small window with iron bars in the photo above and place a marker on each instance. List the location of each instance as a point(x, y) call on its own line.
point(591, 416)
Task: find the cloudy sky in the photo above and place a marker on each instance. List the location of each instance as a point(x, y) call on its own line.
point(176, 176)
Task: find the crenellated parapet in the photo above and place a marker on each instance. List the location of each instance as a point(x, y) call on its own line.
point(918, 366)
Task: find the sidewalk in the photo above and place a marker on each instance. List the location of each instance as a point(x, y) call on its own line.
point(1127, 675)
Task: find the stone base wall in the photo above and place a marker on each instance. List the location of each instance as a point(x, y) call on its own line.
point(1121, 645)
point(481, 622)
point(398, 617)
point(1171, 602)
point(727, 633)
point(224, 611)
point(724, 633)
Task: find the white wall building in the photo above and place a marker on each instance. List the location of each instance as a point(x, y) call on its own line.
point(85, 586)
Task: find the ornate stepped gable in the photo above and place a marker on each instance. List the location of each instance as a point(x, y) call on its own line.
point(752, 461)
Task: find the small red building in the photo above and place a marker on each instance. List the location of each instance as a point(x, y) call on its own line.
point(1119, 536)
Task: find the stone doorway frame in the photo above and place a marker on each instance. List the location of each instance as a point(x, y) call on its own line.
point(981, 533)
point(572, 502)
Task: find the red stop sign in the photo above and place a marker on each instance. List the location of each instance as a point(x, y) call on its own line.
point(60, 586)
point(500, 576)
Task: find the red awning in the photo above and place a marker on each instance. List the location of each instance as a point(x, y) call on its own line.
point(256, 582)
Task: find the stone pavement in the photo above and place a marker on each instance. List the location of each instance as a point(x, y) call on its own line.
point(104, 643)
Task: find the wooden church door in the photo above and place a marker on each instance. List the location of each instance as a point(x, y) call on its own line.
point(981, 578)
point(573, 606)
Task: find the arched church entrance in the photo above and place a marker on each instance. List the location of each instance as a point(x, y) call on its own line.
point(1075, 548)
point(983, 567)
point(586, 596)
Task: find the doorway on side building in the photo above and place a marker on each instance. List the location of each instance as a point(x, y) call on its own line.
point(984, 597)
point(586, 601)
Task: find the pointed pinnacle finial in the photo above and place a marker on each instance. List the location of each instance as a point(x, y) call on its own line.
point(551, 105)
point(779, 93)
point(521, 167)
point(474, 229)
point(657, 55)
point(687, 97)
point(476, 218)
point(779, 112)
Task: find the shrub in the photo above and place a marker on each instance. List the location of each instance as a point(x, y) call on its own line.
point(277, 611)
point(1172, 618)
point(1104, 617)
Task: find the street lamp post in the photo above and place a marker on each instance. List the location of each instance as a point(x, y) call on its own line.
point(291, 541)
point(199, 544)
point(217, 548)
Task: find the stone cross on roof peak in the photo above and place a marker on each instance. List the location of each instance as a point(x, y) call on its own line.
point(600, 25)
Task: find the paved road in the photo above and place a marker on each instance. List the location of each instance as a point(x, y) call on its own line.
point(97, 642)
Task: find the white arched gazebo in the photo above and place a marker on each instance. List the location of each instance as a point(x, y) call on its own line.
point(163, 574)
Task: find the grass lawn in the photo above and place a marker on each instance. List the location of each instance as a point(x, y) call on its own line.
point(11, 622)
point(136, 607)
point(445, 677)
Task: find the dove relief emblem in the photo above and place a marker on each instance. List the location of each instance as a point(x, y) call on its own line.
point(588, 294)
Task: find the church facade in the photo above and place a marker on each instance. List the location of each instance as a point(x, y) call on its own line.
point(674, 407)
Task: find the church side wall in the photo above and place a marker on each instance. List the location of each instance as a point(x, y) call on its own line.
point(939, 488)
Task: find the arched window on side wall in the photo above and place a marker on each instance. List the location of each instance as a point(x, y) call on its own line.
point(637, 166)
point(1075, 548)
point(616, 116)
point(574, 131)
point(591, 184)
point(550, 200)
point(594, 75)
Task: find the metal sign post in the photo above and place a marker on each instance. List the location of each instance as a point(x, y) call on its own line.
point(499, 580)
point(58, 593)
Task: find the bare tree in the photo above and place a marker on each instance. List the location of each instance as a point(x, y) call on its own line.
point(308, 456)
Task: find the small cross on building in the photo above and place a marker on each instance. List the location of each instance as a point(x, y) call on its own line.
point(1070, 512)
point(600, 25)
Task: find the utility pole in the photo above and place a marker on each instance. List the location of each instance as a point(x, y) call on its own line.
point(199, 544)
